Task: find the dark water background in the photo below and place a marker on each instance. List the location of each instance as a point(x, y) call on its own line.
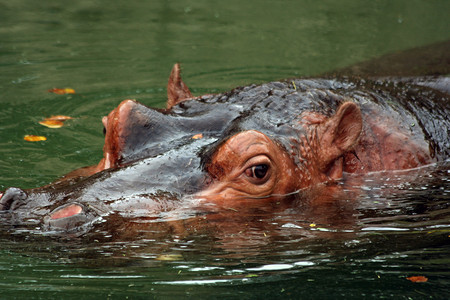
point(398, 224)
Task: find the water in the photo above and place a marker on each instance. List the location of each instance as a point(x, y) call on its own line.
point(386, 227)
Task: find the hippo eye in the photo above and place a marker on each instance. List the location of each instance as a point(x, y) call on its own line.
point(257, 171)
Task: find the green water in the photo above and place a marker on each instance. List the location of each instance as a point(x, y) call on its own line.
point(109, 51)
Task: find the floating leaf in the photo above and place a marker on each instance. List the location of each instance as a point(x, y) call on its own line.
point(51, 123)
point(59, 118)
point(169, 257)
point(417, 279)
point(55, 121)
point(197, 136)
point(34, 138)
point(62, 91)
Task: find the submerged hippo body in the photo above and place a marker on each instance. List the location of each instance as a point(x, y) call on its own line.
point(260, 143)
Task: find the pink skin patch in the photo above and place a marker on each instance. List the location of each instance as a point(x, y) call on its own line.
point(67, 211)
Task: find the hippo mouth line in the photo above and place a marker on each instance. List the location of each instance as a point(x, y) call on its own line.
point(296, 192)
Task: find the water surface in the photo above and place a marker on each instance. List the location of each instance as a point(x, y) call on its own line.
point(386, 227)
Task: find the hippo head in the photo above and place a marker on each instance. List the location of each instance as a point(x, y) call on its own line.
point(262, 143)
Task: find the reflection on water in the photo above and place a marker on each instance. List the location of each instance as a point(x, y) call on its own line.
point(395, 225)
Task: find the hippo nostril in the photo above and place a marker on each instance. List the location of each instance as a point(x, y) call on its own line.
point(12, 198)
point(70, 217)
point(67, 211)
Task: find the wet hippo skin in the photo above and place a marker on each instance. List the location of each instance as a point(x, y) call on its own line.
point(263, 143)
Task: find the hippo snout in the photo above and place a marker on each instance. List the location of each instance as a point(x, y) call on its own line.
point(12, 198)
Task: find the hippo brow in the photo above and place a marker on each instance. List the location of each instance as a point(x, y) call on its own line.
point(208, 151)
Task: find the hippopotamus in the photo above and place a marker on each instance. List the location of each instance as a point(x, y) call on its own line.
point(254, 146)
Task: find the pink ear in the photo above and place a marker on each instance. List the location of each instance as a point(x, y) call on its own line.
point(177, 90)
point(339, 133)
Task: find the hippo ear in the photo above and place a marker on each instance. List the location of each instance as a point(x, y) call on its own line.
point(177, 90)
point(115, 127)
point(339, 134)
point(126, 131)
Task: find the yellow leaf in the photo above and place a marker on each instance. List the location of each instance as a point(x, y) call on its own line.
point(52, 123)
point(34, 138)
point(197, 136)
point(55, 121)
point(59, 118)
point(62, 91)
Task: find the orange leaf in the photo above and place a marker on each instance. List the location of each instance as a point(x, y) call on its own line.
point(62, 91)
point(417, 279)
point(34, 138)
point(58, 118)
point(197, 136)
point(51, 123)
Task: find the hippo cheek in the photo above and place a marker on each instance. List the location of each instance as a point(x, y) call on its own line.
point(68, 217)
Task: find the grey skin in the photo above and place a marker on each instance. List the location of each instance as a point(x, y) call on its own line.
point(161, 166)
